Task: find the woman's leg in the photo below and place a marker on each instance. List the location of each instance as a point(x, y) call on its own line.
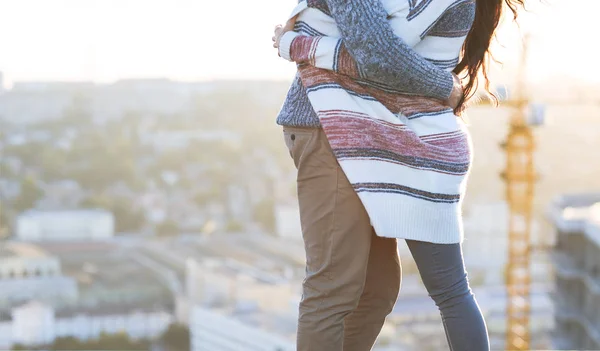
point(443, 272)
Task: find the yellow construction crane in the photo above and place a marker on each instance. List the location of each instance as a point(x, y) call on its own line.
point(520, 178)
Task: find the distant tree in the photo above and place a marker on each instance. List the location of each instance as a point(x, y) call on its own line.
point(176, 338)
point(29, 153)
point(52, 163)
point(29, 195)
point(68, 344)
point(111, 342)
point(127, 218)
point(167, 228)
point(5, 170)
point(264, 213)
point(79, 112)
point(119, 341)
point(234, 226)
point(4, 220)
point(103, 158)
point(97, 201)
point(19, 347)
point(203, 199)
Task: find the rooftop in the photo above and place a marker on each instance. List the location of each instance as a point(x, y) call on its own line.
point(114, 309)
point(23, 250)
point(89, 213)
point(141, 306)
point(577, 213)
point(108, 273)
point(281, 324)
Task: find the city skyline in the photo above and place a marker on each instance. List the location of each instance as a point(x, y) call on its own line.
point(104, 41)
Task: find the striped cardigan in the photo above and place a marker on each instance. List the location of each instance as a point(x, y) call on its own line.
point(407, 157)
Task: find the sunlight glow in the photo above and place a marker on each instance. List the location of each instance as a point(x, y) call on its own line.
point(105, 40)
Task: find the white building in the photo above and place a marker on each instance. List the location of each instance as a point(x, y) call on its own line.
point(576, 219)
point(229, 282)
point(287, 221)
point(78, 225)
point(233, 306)
point(27, 272)
point(36, 324)
point(238, 204)
point(32, 324)
point(138, 324)
point(215, 331)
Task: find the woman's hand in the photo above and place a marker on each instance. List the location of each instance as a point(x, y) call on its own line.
point(457, 93)
point(280, 31)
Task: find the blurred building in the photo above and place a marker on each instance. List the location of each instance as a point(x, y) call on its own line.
point(238, 204)
point(486, 244)
point(28, 106)
point(417, 325)
point(36, 323)
point(287, 220)
point(117, 287)
point(1, 83)
point(234, 306)
point(28, 272)
point(577, 265)
point(180, 139)
point(34, 102)
point(78, 225)
point(241, 330)
point(225, 282)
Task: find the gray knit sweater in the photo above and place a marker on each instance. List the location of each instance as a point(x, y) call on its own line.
point(380, 55)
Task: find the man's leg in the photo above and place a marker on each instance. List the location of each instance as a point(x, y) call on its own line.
point(337, 237)
point(378, 298)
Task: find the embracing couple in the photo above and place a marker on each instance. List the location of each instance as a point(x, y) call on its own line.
point(371, 123)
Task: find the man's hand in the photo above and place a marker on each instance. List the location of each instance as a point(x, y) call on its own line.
point(280, 31)
point(457, 93)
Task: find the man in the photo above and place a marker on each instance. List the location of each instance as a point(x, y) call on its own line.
point(352, 275)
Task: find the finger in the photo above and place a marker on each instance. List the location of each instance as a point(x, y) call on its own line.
point(273, 39)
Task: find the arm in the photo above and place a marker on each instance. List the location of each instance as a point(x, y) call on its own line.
point(322, 52)
point(379, 55)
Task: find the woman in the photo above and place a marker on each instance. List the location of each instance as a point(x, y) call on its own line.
point(378, 164)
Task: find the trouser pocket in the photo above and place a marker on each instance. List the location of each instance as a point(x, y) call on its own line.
point(297, 140)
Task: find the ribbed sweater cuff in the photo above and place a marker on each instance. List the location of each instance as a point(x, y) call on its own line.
point(446, 87)
point(285, 45)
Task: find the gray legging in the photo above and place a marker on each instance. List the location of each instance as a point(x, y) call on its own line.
point(443, 272)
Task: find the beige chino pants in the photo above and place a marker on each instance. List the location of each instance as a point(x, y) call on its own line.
point(352, 275)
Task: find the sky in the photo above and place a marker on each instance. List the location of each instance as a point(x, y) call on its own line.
point(107, 40)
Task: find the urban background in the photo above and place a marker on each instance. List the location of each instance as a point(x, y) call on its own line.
point(148, 201)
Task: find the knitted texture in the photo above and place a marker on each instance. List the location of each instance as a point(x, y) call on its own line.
point(406, 156)
point(382, 56)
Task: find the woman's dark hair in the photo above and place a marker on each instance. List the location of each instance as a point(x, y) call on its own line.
point(476, 49)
